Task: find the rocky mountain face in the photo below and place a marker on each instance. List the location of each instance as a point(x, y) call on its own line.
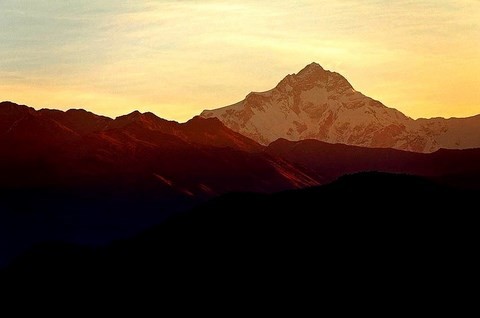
point(320, 104)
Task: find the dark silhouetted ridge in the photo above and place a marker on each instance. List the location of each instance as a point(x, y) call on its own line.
point(369, 228)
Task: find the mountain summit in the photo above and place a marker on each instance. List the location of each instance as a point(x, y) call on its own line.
point(319, 104)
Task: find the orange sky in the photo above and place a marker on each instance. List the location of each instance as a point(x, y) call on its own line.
point(176, 58)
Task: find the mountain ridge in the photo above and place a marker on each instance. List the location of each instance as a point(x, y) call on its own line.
point(133, 145)
point(456, 167)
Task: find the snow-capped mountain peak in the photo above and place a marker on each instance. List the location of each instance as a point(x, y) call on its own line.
point(320, 104)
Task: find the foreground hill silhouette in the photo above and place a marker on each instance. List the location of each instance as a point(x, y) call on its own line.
point(369, 228)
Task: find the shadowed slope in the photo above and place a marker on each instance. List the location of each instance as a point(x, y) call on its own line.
point(330, 161)
point(364, 228)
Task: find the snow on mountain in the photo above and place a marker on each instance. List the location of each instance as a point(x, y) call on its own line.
point(320, 104)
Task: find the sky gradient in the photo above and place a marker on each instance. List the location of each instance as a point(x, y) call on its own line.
point(176, 58)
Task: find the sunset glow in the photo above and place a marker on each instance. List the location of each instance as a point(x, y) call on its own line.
point(176, 58)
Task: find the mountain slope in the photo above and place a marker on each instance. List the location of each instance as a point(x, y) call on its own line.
point(76, 146)
point(322, 105)
point(331, 161)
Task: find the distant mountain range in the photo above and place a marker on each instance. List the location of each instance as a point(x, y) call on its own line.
point(320, 104)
